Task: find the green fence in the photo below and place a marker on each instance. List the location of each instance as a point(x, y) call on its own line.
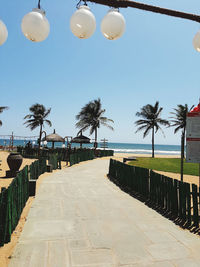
point(81, 155)
point(55, 161)
point(12, 202)
point(103, 153)
point(62, 153)
point(87, 154)
point(37, 168)
point(178, 200)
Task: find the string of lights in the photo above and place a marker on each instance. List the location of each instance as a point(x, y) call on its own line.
point(36, 28)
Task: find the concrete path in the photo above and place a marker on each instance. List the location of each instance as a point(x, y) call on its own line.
point(80, 218)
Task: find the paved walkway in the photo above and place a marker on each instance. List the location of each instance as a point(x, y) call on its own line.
point(81, 219)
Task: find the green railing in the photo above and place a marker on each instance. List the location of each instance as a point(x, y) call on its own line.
point(103, 153)
point(87, 154)
point(81, 156)
point(12, 202)
point(62, 153)
point(54, 161)
point(178, 200)
point(37, 168)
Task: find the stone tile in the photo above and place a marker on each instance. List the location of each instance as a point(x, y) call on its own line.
point(168, 251)
point(186, 263)
point(92, 257)
point(157, 236)
point(79, 244)
point(150, 264)
point(30, 255)
point(51, 229)
point(58, 254)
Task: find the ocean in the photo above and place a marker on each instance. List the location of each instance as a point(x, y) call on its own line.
point(117, 147)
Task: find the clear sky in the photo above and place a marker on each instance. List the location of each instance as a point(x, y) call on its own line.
point(153, 60)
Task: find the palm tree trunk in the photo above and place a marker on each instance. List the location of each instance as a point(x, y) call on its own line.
point(95, 139)
point(153, 142)
point(40, 137)
point(182, 152)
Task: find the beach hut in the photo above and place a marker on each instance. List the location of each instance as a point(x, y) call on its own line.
point(81, 139)
point(54, 137)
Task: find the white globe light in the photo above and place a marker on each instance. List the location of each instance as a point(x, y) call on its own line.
point(196, 41)
point(35, 25)
point(33, 142)
point(83, 23)
point(45, 142)
point(3, 33)
point(63, 145)
point(113, 25)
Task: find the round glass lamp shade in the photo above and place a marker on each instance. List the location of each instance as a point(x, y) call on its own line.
point(196, 41)
point(83, 23)
point(45, 142)
point(3, 33)
point(63, 145)
point(35, 25)
point(113, 25)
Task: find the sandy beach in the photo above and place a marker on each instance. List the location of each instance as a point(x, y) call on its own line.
point(4, 182)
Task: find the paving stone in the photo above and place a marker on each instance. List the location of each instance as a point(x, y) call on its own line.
point(168, 251)
point(93, 257)
point(79, 244)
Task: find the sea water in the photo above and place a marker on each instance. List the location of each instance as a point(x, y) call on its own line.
point(117, 147)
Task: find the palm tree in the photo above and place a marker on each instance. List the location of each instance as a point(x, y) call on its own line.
point(179, 121)
point(1, 110)
point(150, 121)
point(37, 118)
point(91, 117)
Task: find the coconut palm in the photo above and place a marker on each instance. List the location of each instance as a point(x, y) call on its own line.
point(37, 118)
point(150, 121)
point(91, 117)
point(1, 110)
point(179, 121)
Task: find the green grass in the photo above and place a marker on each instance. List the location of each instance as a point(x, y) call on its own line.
point(167, 165)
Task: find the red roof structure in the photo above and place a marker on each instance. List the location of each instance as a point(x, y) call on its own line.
point(196, 109)
point(195, 112)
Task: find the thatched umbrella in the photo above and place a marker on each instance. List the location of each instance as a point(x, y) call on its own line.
point(81, 139)
point(54, 137)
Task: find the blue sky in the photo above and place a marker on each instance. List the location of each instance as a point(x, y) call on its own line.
point(153, 60)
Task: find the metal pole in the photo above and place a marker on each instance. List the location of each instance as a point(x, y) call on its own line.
point(155, 9)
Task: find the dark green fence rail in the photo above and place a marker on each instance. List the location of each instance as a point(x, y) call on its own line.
point(178, 200)
point(14, 198)
point(81, 156)
point(88, 154)
point(62, 153)
point(103, 153)
point(12, 202)
point(37, 168)
point(55, 161)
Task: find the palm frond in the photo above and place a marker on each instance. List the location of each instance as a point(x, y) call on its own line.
point(90, 116)
point(150, 118)
point(37, 117)
point(3, 108)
